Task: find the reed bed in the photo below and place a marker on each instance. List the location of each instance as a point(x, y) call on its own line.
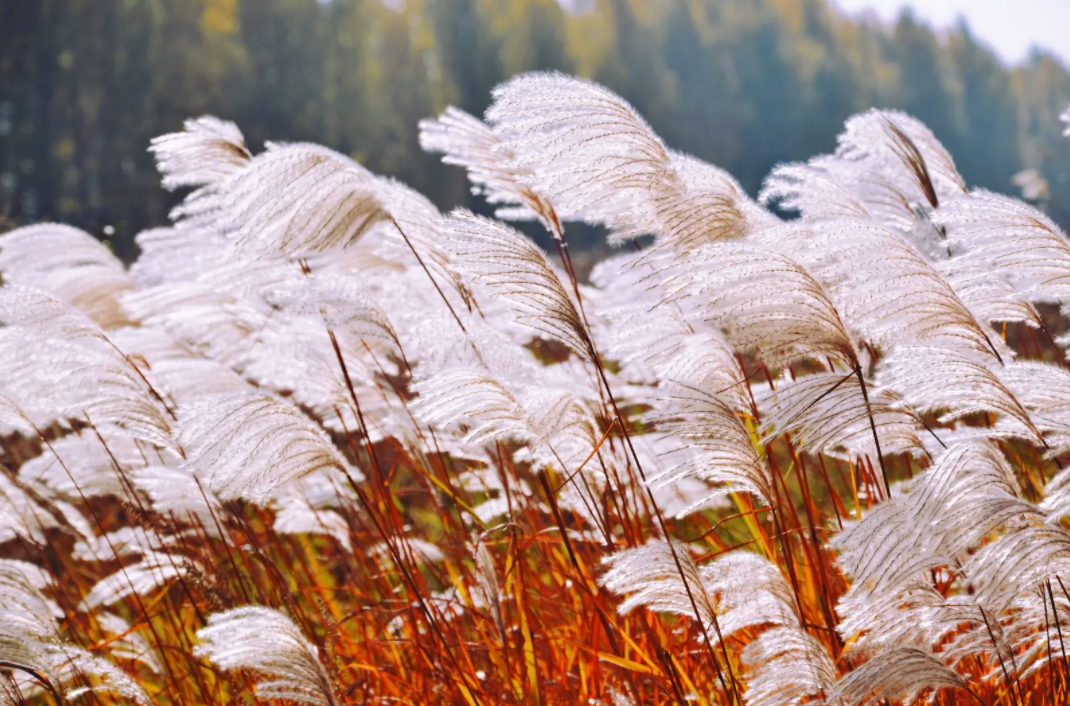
point(323, 444)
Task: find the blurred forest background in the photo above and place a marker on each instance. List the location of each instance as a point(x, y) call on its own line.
point(84, 85)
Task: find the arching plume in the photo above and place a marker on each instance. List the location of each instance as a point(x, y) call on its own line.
point(265, 641)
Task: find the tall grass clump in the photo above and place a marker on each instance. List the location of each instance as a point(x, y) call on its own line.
point(322, 444)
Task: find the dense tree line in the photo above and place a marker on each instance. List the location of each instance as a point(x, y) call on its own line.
point(745, 84)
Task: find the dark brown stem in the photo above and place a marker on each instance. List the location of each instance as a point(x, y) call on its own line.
point(873, 428)
point(428, 273)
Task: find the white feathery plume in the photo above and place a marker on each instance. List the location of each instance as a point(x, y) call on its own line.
point(699, 358)
point(52, 376)
point(968, 493)
point(905, 151)
point(297, 515)
point(750, 591)
point(27, 619)
point(155, 569)
point(1016, 563)
point(827, 413)
point(816, 189)
point(763, 301)
point(341, 303)
point(75, 662)
point(1011, 238)
point(898, 674)
point(247, 445)
point(466, 141)
point(512, 267)
point(1044, 390)
point(171, 255)
point(79, 464)
point(486, 410)
point(896, 297)
point(595, 158)
point(207, 151)
point(828, 188)
point(304, 507)
point(1034, 635)
point(786, 667)
point(24, 513)
point(174, 492)
point(12, 417)
point(58, 361)
point(650, 577)
point(173, 368)
point(989, 295)
point(298, 199)
point(31, 308)
point(29, 640)
point(202, 317)
point(661, 343)
point(123, 542)
point(265, 641)
point(939, 378)
point(71, 264)
point(703, 203)
point(590, 151)
point(723, 452)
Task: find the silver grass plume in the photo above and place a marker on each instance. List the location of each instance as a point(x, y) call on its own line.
point(207, 151)
point(69, 263)
point(248, 445)
point(73, 368)
point(487, 411)
point(28, 618)
point(903, 150)
point(941, 378)
point(899, 674)
point(827, 413)
point(342, 304)
point(989, 295)
point(30, 644)
point(590, 149)
point(786, 666)
point(723, 454)
point(815, 189)
point(515, 269)
point(1044, 390)
point(1012, 238)
point(967, 494)
point(79, 464)
point(155, 569)
point(1016, 563)
point(265, 641)
point(299, 199)
point(650, 577)
point(897, 297)
point(763, 301)
point(595, 158)
point(492, 167)
point(661, 343)
point(298, 515)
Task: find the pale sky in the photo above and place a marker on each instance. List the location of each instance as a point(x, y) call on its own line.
point(1010, 27)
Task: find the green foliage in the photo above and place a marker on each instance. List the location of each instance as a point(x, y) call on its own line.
point(745, 84)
